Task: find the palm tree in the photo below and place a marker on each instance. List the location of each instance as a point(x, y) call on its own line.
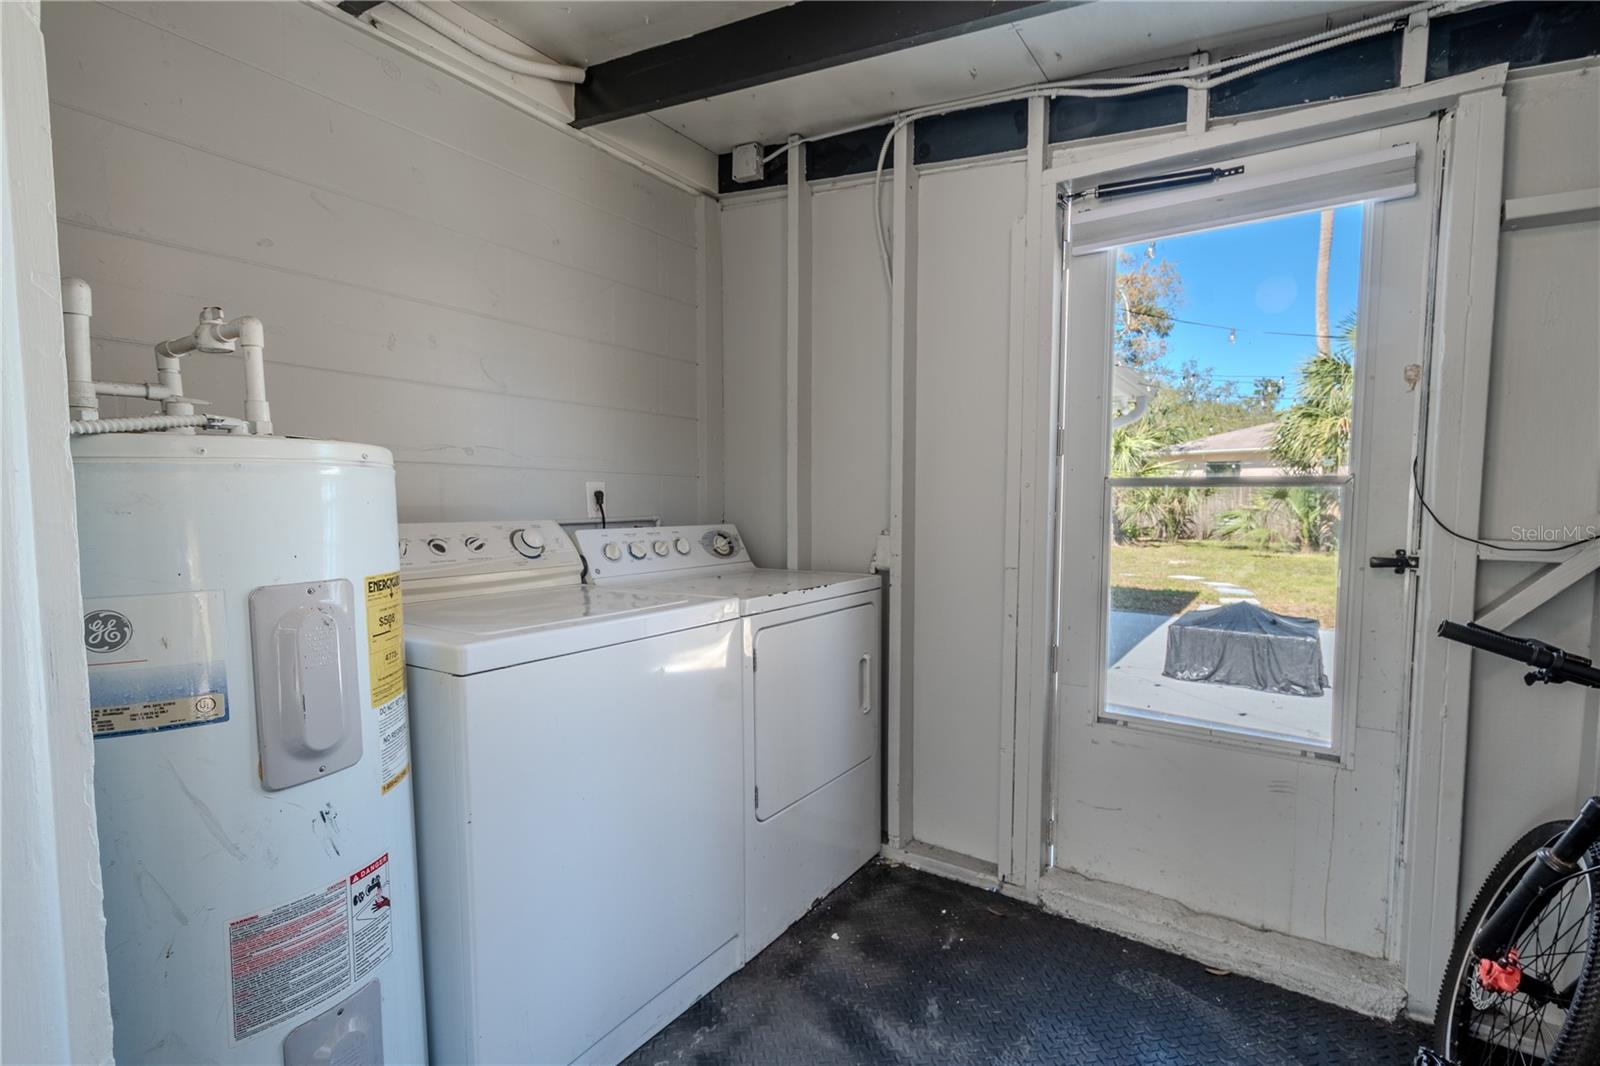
point(1307, 513)
point(1313, 435)
point(1324, 262)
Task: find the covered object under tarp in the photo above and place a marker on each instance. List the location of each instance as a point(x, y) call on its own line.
point(1246, 644)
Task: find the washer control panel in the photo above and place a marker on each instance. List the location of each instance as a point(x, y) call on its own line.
point(465, 549)
point(636, 552)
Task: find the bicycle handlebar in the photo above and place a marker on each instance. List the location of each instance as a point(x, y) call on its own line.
point(1550, 664)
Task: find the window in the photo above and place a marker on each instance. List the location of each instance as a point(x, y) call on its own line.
point(1232, 406)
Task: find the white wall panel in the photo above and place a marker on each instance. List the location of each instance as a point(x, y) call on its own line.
point(753, 374)
point(849, 382)
point(963, 332)
point(438, 273)
point(1531, 752)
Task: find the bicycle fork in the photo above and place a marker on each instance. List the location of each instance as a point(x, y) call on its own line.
point(1552, 865)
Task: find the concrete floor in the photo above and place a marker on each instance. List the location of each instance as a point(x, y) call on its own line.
point(1137, 650)
point(900, 967)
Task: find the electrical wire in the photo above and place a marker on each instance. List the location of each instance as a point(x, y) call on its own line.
point(1416, 482)
point(1196, 78)
point(1136, 82)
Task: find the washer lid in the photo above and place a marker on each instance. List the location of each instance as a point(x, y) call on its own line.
point(765, 590)
point(471, 634)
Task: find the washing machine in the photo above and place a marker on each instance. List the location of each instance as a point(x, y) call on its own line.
point(578, 761)
point(810, 644)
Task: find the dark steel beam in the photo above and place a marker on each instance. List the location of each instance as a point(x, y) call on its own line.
point(811, 35)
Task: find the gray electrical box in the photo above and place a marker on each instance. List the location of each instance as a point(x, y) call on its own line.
point(308, 702)
point(747, 163)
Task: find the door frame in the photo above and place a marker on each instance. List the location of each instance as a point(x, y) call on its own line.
point(1433, 800)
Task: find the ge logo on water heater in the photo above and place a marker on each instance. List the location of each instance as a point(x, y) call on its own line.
point(105, 631)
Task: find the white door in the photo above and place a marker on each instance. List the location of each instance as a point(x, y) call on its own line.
point(1231, 695)
point(815, 710)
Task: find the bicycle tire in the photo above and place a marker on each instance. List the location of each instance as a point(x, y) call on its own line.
point(1578, 1043)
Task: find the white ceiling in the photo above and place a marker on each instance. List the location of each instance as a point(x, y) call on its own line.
point(1099, 36)
point(586, 32)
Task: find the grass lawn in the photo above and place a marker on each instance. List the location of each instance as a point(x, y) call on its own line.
point(1294, 583)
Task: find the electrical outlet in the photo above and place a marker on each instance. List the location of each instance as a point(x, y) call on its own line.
point(589, 489)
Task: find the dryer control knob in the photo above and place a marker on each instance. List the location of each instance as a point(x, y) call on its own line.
point(437, 545)
point(722, 545)
point(612, 551)
point(682, 544)
point(638, 550)
point(661, 547)
point(528, 543)
point(475, 544)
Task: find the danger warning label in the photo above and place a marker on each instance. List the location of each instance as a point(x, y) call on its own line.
point(287, 960)
point(371, 912)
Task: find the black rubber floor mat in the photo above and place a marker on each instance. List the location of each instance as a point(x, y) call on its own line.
point(898, 966)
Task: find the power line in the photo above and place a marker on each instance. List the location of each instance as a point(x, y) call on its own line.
point(1233, 330)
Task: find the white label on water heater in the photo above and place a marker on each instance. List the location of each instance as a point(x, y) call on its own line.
point(155, 662)
point(288, 960)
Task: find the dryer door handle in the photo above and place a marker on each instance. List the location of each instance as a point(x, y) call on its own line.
point(866, 682)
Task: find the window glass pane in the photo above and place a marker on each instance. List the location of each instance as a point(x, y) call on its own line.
point(1233, 355)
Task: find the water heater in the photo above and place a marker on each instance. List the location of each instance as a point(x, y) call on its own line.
point(242, 626)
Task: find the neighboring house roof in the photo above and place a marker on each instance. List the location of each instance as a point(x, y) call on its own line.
point(1251, 439)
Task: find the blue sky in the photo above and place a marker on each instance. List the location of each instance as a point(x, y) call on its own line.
point(1255, 278)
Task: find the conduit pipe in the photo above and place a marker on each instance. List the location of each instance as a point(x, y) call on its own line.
point(484, 50)
point(141, 424)
point(374, 23)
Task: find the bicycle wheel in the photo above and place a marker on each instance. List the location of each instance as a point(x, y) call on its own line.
point(1553, 1015)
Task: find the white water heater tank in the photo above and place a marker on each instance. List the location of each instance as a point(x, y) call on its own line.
point(247, 679)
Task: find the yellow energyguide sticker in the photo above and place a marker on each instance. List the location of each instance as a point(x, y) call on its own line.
point(386, 652)
point(386, 663)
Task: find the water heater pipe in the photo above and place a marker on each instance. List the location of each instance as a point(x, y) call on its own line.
point(145, 391)
point(484, 50)
point(212, 334)
point(77, 304)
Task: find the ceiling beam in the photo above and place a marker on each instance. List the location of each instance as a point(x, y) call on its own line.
point(807, 36)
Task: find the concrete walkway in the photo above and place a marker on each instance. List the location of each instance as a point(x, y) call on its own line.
point(1134, 684)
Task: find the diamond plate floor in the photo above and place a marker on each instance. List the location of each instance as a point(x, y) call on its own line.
point(898, 966)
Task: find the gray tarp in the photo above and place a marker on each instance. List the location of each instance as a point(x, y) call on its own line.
point(1245, 644)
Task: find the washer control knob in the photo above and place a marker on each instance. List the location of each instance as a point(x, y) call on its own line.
point(437, 545)
point(474, 544)
point(661, 547)
point(722, 545)
point(612, 550)
point(682, 544)
point(405, 546)
point(637, 549)
point(527, 543)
